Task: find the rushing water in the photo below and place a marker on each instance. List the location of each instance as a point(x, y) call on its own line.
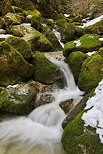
point(40, 132)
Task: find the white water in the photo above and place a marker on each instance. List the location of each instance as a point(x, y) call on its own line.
point(41, 131)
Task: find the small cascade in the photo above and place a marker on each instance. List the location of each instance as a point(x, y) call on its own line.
point(41, 131)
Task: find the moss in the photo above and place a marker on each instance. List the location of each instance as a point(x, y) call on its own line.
point(49, 34)
point(13, 67)
point(26, 5)
point(78, 139)
point(21, 46)
point(95, 28)
point(49, 22)
point(6, 6)
point(36, 18)
point(45, 71)
point(75, 61)
point(88, 43)
point(91, 73)
point(11, 18)
point(61, 22)
point(19, 100)
point(100, 52)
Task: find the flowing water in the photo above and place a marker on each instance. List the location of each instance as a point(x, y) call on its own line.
point(40, 132)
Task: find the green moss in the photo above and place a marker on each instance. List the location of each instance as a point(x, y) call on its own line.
point(19, 100)
point(6, 6)
point(45, 71)
point(78, 139)
point(91, 73)
point(100, 51)
point(11, 18)
point(26, 5)
point(13, 67)
point(88, 43)
point(75, 61)
point(49, 34)
point(49, 22)
point(61, 22)
point(21, 46)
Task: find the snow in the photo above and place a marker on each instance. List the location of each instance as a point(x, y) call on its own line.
point(91, 53)
point(94, 116)
point(4, 35)
point(92, 22)
point(101, 39)
point(78, 43)
point(67, 15)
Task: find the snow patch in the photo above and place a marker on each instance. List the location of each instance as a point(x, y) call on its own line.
point(92, 22)
point(94, 116)
point(78, 43)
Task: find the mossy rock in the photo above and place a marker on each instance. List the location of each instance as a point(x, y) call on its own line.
point(21, 46)
point(91, 73)
point(100, 51)
point(13, 67)
point(61, 22)
point(26, 5)
point(35, 19)
point(12, 19)
point(86, 43)
point(78, 139)
point(75, 61)
point(49, 34)
point(48, 22)
point(18, 99)
point(78, 108)
point(5, 6)
point(95, 28)
point(45, 71)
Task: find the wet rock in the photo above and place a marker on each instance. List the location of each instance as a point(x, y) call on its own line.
point(18, 99)
point(13, 67)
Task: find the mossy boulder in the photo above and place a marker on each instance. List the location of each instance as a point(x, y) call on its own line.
point(48, 22)
point(45, 71)
point(21, 46)
point(26, 5)
point(49, 34)
point(100, 51)
point(12, 19)
point(18, 99)
point(69, 32)
point(78, 139)
point(61, 22)
point(35, 19)
point(86, 43)
point(91, 73)
point(75, 61)
point(95, 28)
point(13, 67)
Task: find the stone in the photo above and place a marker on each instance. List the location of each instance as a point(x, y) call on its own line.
point(12, 19)
point(13, 67)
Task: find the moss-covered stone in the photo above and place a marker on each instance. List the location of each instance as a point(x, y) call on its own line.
point(45, 71)
point(48, 22)
point(18, 99)
point(26, 5)
point(13, 67)
point(75, 61)
point(49, 34)
point(21, 46)
point(35, 19)
point(91, 73)
point(95, 28)
point(78, 139)
point(5, 6)
point(86, 43)
point(100, 51)
point(12, 18)
point(61, 22)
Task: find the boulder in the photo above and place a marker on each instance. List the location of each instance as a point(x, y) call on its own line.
point(48, 22)
point(49, 34)
point(5, 6)
point(91, 73)
point(75, 61)
point(13, 67)
point(100, 51)
point(21, 46)
point(86, 43)
point(18, 99)
point(78, 139)
point(45, 71)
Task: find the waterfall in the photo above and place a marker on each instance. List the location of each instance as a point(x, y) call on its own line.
point(40, 132)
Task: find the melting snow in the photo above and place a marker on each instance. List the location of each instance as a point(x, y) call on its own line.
point(92, 22)
point(78, 43)
point(4, 35)
point(94, 116)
